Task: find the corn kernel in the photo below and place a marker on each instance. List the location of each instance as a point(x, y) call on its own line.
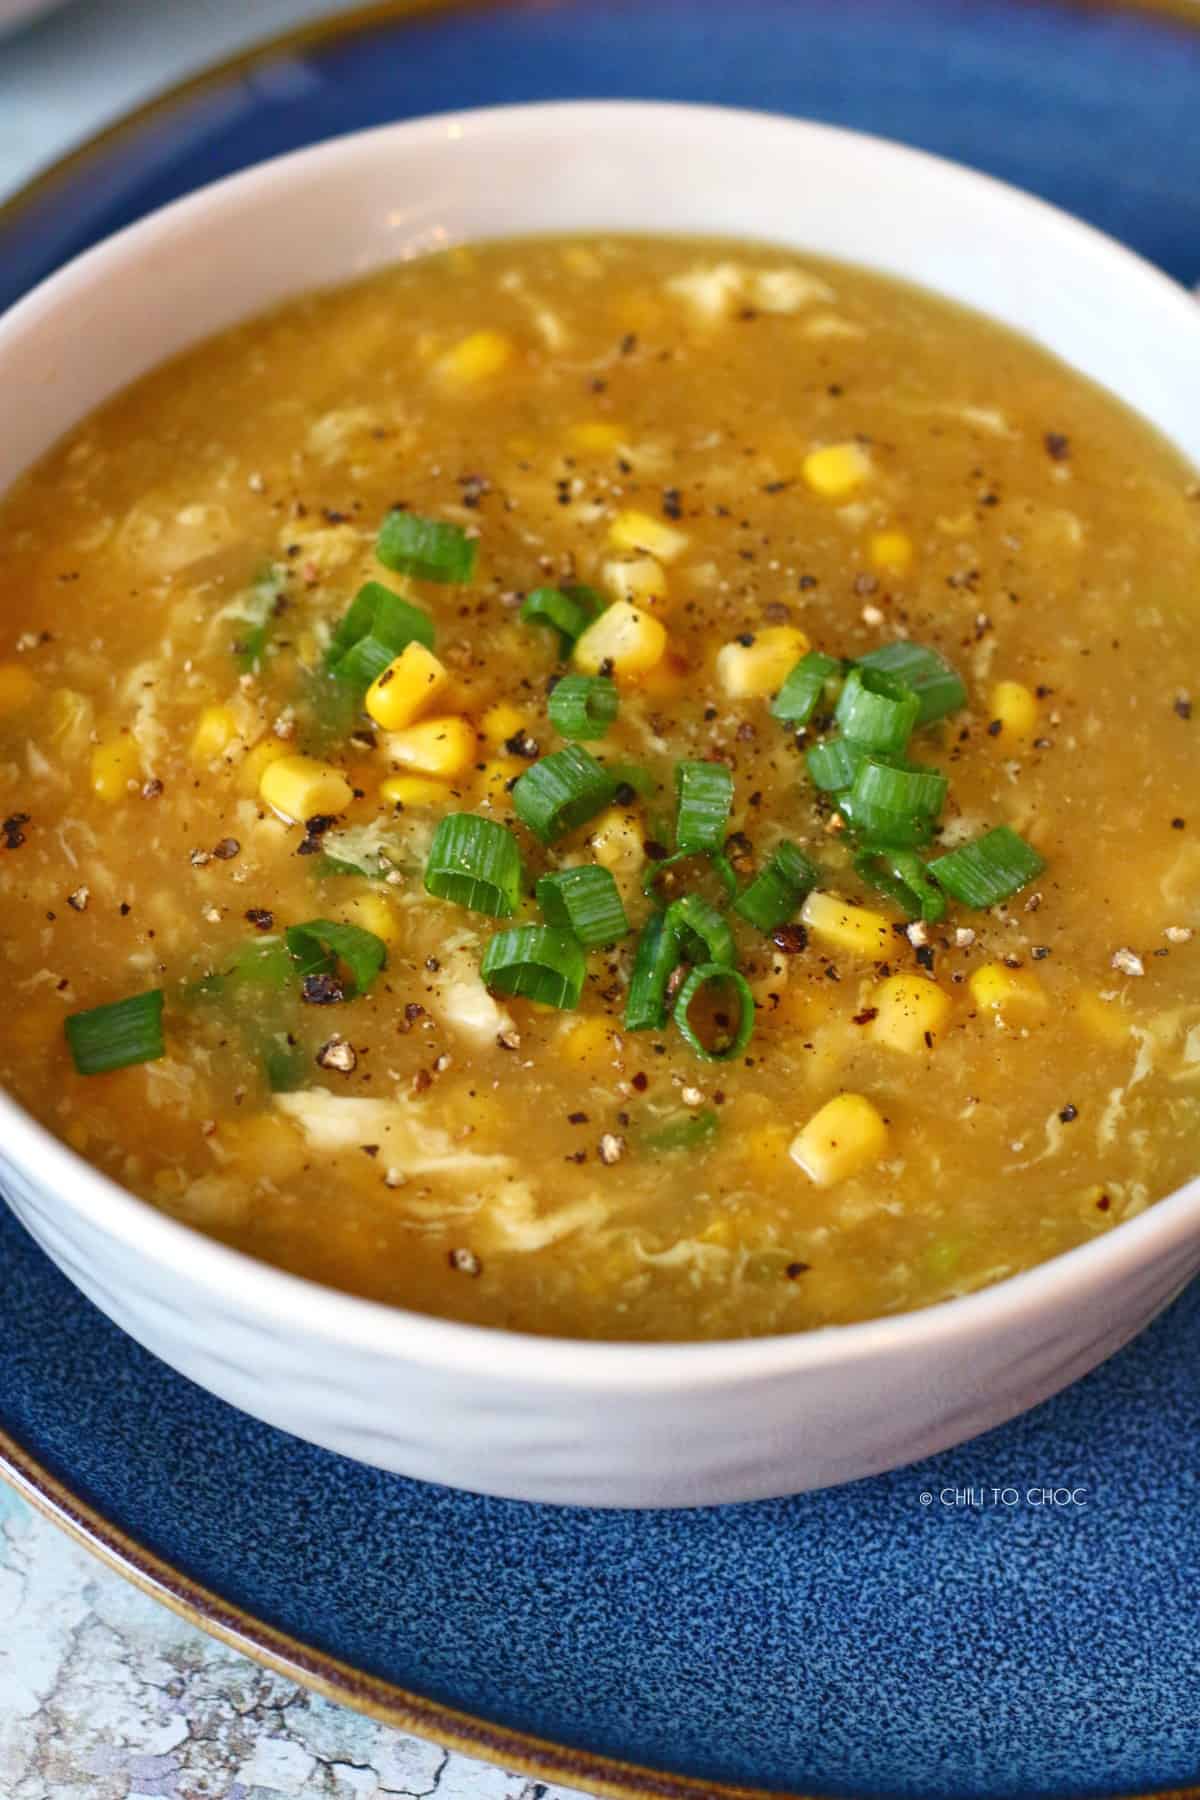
point(413, 790)
point(476, 356)
point(18, 689)
point(589, 1044)
point(597, 435)
point(495, 776)
point(633, 530)
point(250, 770)
point(501, 722)
point(1104, 1020)
point(441, 746)
point(618, 840)
point(641, 580)
point(406, 688)
point(891, 551)
point(116, 763)
point(836, 470)
point(854, 928)
point(631, 640)
point(1016, 708)
point(374, 913)
point(1015, 995)
point(844, 1137)
point(215, 730)
point(910, 1013)
point(753, 670)
point(296, 787)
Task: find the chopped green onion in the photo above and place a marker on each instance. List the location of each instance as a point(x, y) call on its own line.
point(363, 953)
point(702, 933)
point(377, 627)
point(699, 979)
point(654, 963)
point(907, 790)
point(991, 869)
point(476, 863)
point(814, 680)
point(705, 791)
point(285, 1064)
point(683, 1131)
point(938, 687)
point(562, 791)
point(569, 611)
point(117, 1035)
point(833, 765)
point(877, 710)
point(262, 602)
point(431, 549)
point(270, 964)
point(537, 961)
point(719, 862)
point(631, 774)
point(772, 898)
point(904, 878)
point(586, 901)
point(881, 825)
point(583, 706)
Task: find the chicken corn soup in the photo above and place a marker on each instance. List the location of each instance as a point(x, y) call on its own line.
point(617, 788)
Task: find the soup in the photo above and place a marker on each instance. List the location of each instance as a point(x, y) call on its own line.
point(621, 788)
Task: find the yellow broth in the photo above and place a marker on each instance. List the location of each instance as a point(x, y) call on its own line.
point(486, 1158)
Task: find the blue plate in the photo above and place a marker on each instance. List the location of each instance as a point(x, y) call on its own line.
point(1015, 1618)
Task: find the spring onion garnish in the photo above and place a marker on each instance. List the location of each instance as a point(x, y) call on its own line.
point(655, 962)
point(476, 863)
point(716, 861)
point(901, 790)
point(117, 1035)
point(938, 687)
point(562, 791)
point(833, 765)
point(775, 894)
point(569, 611)
point(683, 1131)
point(880, 825)
point(583, 706)
point(730, 1045)
point(373, 633)
point(363, 953)
point(285, 1064)
point(904, 878)
point(537, 961)
point(262, 603)
point(586, 901)
point(814, 683)
point(431, 549)
point(877, 710)
point(705, 791)
point(703, 935)
point(991, 869)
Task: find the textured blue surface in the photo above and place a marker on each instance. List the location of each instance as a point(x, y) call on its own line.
point(851, 1642)
point(1093, 109)
point(854, 1641)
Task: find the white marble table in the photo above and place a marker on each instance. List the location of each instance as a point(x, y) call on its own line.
point(104, 1695)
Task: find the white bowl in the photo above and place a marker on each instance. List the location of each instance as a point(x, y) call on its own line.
point(538, 1419)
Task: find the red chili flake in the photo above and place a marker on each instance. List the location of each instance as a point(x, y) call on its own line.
point(421, 1080)
point(1058, 446)
point(795, 1269)
point(1069, 1114)
point(672, 503)
point(577, 1118)
point(1183, 706)
point(227, 849)
point(260, 918)
point(152, 789)
point(655, 851)
point(865, 1016)
point(641, 1082)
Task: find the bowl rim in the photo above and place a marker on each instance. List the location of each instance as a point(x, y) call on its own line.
point(545, 1361)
